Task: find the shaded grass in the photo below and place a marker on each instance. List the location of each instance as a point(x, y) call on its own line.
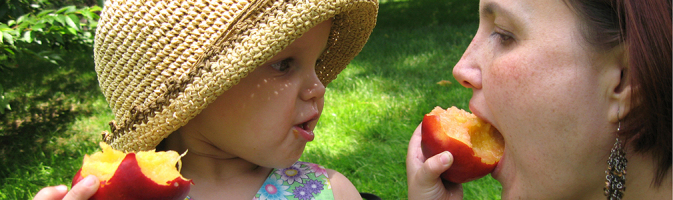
point(57, 114)
point(371, 109)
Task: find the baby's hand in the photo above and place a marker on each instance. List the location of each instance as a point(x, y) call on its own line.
point(423, 173)
point(81, 191)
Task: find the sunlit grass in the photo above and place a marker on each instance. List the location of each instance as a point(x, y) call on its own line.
point(376, 103)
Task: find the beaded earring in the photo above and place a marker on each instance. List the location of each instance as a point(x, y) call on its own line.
point(615, 182)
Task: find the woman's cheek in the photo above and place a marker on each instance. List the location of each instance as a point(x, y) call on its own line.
point(507, 81)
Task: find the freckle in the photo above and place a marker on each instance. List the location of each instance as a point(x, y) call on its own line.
point(265, 80)
point(275, 92)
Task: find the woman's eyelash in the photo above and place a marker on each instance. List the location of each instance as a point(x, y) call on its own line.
point(503, 36)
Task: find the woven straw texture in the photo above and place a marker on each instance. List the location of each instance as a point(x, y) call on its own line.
point(159, 63)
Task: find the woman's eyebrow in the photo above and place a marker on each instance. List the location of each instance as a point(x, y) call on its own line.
point(492, 8)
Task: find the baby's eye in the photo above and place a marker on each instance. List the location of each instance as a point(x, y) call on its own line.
point(283, 65)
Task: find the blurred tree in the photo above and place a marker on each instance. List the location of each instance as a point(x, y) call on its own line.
point(12, 9)
point(36, 29)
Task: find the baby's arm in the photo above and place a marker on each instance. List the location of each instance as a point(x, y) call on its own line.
point(341, 186)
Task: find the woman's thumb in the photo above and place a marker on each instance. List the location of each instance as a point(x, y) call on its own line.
point(84, 189)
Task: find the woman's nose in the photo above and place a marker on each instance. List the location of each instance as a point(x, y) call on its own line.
point(468, 70)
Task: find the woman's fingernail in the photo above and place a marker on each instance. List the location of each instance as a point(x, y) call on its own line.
point(89, 180)
point(62, 188)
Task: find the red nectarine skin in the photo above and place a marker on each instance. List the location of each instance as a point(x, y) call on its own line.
point(128, 182)
point(466, 165)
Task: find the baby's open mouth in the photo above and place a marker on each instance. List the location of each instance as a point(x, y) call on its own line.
point(304, 130)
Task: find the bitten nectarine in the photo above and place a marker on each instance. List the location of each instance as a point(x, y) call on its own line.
point(141, 175)
point(475, 145)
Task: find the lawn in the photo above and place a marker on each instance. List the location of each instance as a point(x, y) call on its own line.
point(371, 109)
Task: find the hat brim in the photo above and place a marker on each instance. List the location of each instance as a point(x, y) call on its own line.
point(259, 37)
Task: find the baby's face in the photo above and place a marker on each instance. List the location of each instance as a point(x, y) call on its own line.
point(269, 116)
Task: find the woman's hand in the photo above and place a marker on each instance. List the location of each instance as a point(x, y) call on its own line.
point(82, 190)
point(423, 174)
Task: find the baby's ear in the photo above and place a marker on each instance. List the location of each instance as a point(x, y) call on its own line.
point(619, 80)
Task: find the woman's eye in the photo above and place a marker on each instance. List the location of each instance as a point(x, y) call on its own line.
point(503, 37)
point(282, 66)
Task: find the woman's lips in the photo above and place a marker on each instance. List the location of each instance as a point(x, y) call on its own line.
point(497, 171)
point(478, 113)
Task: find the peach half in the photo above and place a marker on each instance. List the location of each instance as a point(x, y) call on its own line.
point(475, 145)
point(141, 175)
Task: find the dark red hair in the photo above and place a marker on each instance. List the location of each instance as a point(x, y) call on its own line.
point(644, 28)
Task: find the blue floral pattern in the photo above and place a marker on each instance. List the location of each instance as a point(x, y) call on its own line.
point(314, 186)
point(294, 173)
point(273, 189)
point(302, 193)
point(301, 181)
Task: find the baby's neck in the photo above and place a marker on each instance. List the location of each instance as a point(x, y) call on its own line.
point(215, 173)
point(215, 178)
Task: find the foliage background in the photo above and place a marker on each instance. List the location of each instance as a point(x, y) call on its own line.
point(52, 112)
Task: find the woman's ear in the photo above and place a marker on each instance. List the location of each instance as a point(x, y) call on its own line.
point(621, 89)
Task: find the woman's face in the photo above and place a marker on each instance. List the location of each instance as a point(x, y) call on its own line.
point(269, 116)
point(541, 85)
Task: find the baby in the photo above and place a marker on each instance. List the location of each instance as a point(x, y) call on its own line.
point(238, 84)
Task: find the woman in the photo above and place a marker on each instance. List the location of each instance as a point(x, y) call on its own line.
point(569, 84)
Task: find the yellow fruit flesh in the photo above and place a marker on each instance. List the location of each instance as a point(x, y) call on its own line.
point(481, 137)
point(160, 167)
point(455, 123)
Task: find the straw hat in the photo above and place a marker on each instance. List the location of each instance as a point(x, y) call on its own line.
point(160, 63)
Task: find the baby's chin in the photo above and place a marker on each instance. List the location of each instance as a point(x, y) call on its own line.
point(282, 163)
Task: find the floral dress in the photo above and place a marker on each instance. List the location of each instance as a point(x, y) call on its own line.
point(301, 181)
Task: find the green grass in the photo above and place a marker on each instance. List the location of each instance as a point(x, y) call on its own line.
point(371, 109)
point(375, 104)
point(57, 115)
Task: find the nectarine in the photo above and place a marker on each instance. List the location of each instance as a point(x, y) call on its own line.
point(141, 175)
point(475, 145)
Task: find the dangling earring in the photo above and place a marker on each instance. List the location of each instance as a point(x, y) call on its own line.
point(616, 173)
